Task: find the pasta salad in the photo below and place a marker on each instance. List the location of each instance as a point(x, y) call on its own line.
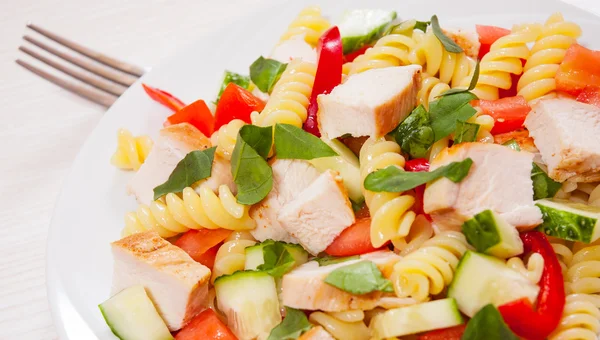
point(372, 178)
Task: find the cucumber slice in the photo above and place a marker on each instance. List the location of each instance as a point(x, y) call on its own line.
point(346, 164)
point(481, 279)
point(416, 318)
point(490, 234)
point(569, 221)
point(131, 315)
point(249, 301)
point(361, 27)
point(254, 254)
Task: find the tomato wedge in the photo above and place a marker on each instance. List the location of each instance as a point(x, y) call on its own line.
point(353, 55)
point(579, 69)
point(197, 242)
point(590, 95)
point(354, 240)
point(197, 114)
point(509, 113)
point(488, 35)
point(164, 98)
point(236, 103)
point(205, 326)
point(452, 333)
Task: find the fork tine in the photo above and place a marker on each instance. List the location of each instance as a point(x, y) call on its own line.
point(100, 83)
point(102, 58)
point(94, 95)
point(116, 76)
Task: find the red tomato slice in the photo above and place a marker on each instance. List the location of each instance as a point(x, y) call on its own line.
point(236, 103)
point(205, 326)
point(354, 240)
point(353, 55)
point(197, 114)
point(487, 36)
point(197, 242)
point(452, 333)
point(580, 68)
point(209, 256)
point(509, 113)
point(590, 95)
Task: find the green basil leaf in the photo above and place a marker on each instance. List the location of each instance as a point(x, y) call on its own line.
point(512, 143)
point(294, 324)
point(488, 324)
point(448, 43)
point(195, 166)
point(465, 132)
point(415, 135)
point(357, 206)
point(294, 143)
point(359, 278)
point(543, 185)
point(278, 259)
point(472, 85)
point(327, 260)
point(251, 172)
point(446, 111)
point(394, 179)
point(422, 25)
point(265, 73)
point(232, 77)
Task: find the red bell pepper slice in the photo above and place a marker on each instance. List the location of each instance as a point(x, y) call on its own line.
point(164, 98)
point(452, 333)
point(236, 103)
point(329, 74)
point(351, 56)
point(418, 165)
point(537, 323)
point(197, 114)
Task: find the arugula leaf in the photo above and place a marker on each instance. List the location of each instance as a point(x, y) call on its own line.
point(294, 324)
point(448, 43)
point(446, 111)
point(415, 135)
point(488, 324)
point(278, 259)
point(471, 87)
point(395, 179)
point(465, 132)
point(543, 185)
point(512, 143)
point(195, 166)
point(327, 260)
point(251, 172)
point(265, 73)
point(294, 143)
point(422, 25)
point(359, 278)
point(232, 77)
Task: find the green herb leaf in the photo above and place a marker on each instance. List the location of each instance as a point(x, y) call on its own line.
point(446, 111)
point(422, 25)
point(294, 324)
point(394, 179)
point(265, 73)
point(195, 166)
point(294, 143)
point(359, 278)
point(327, 260)
point(481, 231)
point(512, 143)
point(357, 206)
point(232, 77)
point(251, 172)
point(278, 259)
point(415, 135)
point(448, 43)
point(488, 324)
point(543, 185)
point(465, 132)
point(472, 85)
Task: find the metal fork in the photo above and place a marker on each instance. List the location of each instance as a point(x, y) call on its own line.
point(108, 76)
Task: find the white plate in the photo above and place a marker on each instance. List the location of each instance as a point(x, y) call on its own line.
point(90, 211)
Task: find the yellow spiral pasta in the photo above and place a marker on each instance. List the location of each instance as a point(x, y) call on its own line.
point(172, 214)
point(486, 124)
point(343, 325)
point(534, 269)
point(226, 137)
point(131, 151)
point(421, 230)
point(290, 98)
point(580, 321)
point(431, 88)
point(231, 256)
point(390, 50)
point(430, 269)
point(586, 193)
point(546, 55)
point(309, 23)
point(390, 211)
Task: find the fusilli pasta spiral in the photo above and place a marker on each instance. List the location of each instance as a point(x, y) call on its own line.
point(486, 124)
point(309, 23)
point(290, 98)
point(172, 214)
point(431, 88)
point(533, 270)
point(231, 256)
point(546, 55)
point(131, 151)
point(587, 193)
point(430, 269)
point(390, 211)
point(390, 50)
point(226, 137)
point(343, 325)
point(421, 230)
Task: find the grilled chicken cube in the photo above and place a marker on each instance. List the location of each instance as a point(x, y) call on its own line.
point(177, 285)
point(468, 40)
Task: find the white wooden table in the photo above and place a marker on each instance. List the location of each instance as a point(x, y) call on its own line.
point(43, 126)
